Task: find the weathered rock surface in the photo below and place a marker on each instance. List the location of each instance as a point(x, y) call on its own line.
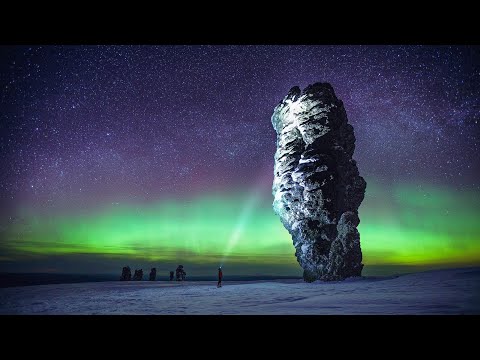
point(153, 274)
point(317, 188)
point(138, 276)
point(180, 273)
point(126, 274)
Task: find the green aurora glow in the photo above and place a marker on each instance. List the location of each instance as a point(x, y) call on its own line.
point(403, 224)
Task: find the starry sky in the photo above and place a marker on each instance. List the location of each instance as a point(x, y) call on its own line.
point(161, 155)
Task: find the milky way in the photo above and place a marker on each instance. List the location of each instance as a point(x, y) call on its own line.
point(84, 128)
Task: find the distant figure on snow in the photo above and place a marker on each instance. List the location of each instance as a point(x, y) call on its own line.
point(220, 276)
point(153, 274)
point(171, 275)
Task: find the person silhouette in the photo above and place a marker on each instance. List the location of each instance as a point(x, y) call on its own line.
point(220, 276)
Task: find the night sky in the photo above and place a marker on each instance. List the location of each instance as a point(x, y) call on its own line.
point(163, 155)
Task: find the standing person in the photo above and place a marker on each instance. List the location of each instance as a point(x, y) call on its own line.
point(171, 275)
point(220, 276)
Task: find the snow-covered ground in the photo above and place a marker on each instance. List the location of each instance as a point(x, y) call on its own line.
point(451, 291)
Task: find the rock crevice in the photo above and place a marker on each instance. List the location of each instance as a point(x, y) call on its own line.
point(317, 188)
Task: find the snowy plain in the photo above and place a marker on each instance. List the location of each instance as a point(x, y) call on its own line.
point(450, 291)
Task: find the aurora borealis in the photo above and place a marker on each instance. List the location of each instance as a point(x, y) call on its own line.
point(156, 156)
point(199, 229)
